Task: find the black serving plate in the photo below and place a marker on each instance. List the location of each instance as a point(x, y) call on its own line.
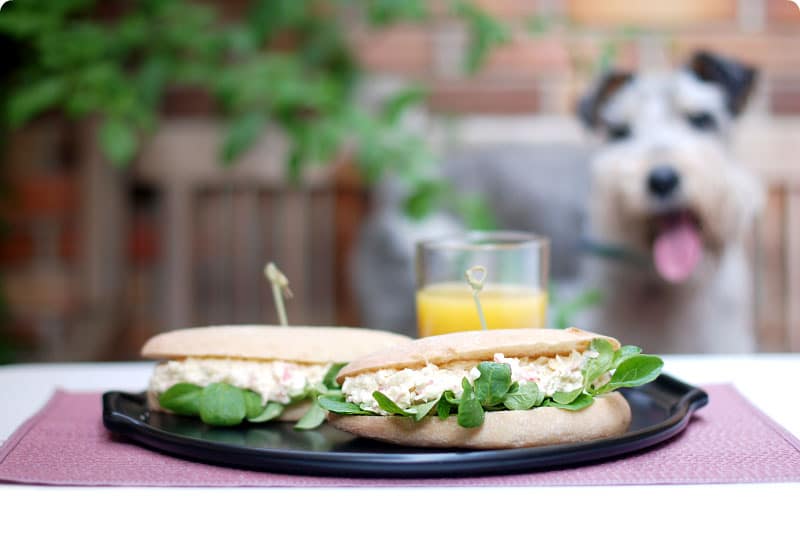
point(661, 410)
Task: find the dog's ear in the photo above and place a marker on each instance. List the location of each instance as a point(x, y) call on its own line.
point(590, 105)
point(736, 79)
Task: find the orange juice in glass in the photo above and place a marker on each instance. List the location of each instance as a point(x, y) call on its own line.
point(514, 294)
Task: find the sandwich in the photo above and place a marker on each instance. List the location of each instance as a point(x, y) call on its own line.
point(491, 389)
point(229, 374)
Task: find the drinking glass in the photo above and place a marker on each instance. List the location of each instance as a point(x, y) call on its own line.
point(514, 293)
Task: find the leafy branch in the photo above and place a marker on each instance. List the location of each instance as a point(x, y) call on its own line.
point(287, 63)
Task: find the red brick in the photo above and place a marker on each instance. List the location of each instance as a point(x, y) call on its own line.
point(484, 98)
point(51, 196)
point(16, 246)
point(782, 12)
point(586, 52)
point(68, 242)
point(143, 241)
point(784, 97)
point(659, 14)
point(509, 9)
point(398, 49)
point(33, 294)
point(527, 57)
point(772, 54)
point(184, 101)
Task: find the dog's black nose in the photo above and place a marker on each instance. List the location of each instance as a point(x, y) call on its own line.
point(663, 180)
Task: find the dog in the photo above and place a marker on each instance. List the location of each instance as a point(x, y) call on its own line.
point(654, 216)
point(672, 207)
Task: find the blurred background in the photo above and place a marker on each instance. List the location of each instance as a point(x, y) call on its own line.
point(156, 153)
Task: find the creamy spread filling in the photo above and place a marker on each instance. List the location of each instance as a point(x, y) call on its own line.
point(409, 387)
point(277, 381)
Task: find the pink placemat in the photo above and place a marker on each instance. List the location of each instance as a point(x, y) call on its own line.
point(728, 441)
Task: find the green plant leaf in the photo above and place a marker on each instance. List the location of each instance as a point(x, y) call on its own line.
point(29, 101)
point(242, 134)
point(383, 12)
point(394, 107)
point(581, 402)
point(564, 312)
point(634, 371)
point(474, 211)
point(421, 411)
point(312, 418)
point(338, 406)
point(594, 367)
point(119, 141)
point(566, 398)
point(485, 33)
point(182, 398)
point(470, 412)
point(523, 397)
point(329, 380)
point(424, 199)
point(493, 384)
point(445, 407)
point(152, 79)
point(222, 404)
point(624, 353)
point(389, 406)
point(270, 412)
point(451, 397)
point(252, 403)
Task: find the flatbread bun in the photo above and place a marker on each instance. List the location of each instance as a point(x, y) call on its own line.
point(609, 416)
point(303, 344)
point(474, 346)
point(291, 413)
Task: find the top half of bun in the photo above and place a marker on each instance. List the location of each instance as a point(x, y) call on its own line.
point(474, 346)
point(302, 344)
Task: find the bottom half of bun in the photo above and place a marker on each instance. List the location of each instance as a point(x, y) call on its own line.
point(290, 413)
point(609, 416)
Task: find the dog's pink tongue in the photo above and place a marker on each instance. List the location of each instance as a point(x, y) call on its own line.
point(677, 250)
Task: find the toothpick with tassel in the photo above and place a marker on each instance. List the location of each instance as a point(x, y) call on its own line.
point(280, 290)
point(475, 277)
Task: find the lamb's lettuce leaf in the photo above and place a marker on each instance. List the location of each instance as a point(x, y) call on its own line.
point(388, 405)
point(340, 407)
point(634, 371)
point(493, 384)
point(583, 400)
point(523, 397)
point(182, 398)
point(470, 411)
point(252, 402)
point(222, 404)
point(268, 413)
point(312, 418)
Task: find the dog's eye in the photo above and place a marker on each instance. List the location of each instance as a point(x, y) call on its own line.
point(702, 121)
point(619, 132)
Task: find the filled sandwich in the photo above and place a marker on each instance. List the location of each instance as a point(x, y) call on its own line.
point(229, 374)
point(491, 389)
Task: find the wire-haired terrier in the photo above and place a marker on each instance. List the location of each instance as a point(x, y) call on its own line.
point(670, 208)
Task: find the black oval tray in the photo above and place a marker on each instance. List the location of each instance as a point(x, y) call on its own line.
point(661, 409)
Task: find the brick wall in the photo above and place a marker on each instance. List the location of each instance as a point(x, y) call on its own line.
point(556, 45)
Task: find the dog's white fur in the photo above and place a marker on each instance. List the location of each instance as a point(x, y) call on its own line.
point(712, 311)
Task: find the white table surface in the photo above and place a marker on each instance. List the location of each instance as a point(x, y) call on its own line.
point(769, 381)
